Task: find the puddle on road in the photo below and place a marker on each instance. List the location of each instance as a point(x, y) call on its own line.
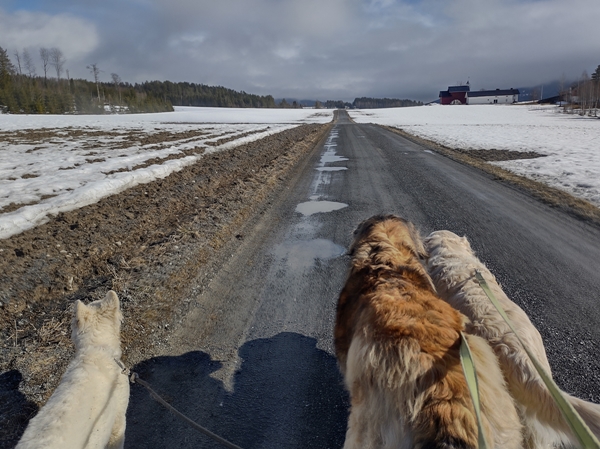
point(302, 255)
point(315, 207)
point(331, 168)
point(330, 156)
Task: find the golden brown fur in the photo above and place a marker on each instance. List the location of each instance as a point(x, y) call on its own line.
point(397, 345)
point(452, 265)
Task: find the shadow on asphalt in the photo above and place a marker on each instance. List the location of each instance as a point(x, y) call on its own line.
point(15, 409)
point(286, 394)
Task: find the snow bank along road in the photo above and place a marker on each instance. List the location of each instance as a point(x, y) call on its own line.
point(254, 358)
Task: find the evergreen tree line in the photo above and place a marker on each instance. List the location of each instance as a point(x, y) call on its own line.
point(372, 103)
point(23, 91)
point(337, 104)
point(27, 93)
point(368, 103)
point(191, 94)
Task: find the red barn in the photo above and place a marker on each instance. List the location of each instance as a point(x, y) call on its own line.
point(454, 95)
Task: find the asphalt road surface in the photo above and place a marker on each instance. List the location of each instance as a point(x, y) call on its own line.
point(253, 361)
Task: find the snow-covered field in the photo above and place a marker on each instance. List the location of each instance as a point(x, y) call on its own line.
point(57, 163)
point(571, 142)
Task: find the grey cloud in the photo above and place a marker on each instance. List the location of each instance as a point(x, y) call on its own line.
point(330, 49)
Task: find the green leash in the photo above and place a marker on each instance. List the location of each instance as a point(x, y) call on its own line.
point(583, 433)
point(466, 360)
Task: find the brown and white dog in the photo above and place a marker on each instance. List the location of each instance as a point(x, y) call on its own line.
point(452, 264)
point(397, 345)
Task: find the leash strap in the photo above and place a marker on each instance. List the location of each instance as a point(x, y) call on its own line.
point(583, 433)
point(135, 378)
point(468, 366)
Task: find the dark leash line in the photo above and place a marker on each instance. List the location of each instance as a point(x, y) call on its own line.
point(135, 378)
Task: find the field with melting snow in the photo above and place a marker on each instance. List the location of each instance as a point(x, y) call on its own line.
point(51, 164)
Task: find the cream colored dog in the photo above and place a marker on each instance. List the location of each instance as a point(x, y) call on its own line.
point(87, 410)
point(452, 265)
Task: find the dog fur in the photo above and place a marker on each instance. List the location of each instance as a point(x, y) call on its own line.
point(397, 345)
point(452, 264)
point(87, 409)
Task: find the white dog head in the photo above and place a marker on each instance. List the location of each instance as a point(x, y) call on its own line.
point(451, 260)
point(98, 323)
point(447, 241)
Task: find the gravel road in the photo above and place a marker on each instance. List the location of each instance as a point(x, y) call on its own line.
point(253, 358)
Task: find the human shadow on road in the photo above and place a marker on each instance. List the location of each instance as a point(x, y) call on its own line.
point(15, 409)
point(287, 394)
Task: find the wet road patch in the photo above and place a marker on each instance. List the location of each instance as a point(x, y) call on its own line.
point(303, 254)
point(315, 207)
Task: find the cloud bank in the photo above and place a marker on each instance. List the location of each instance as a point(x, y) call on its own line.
point(326, 49)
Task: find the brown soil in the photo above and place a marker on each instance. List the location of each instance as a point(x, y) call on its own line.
point(494, 155)
point(147, 243)
point(36, 136)
point(216, 143)
point(577, 207)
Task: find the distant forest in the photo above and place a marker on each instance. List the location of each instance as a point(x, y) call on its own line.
point(372, 103)
point(190, 94)
point(23, 91)
point(369, 103)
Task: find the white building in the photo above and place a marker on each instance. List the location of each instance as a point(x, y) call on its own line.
point(498, 96)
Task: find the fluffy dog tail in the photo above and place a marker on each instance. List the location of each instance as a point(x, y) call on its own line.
point(589, 411)
point(551, 429)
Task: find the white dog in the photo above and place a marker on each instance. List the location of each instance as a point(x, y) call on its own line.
point(87, 410)
point(452, 265)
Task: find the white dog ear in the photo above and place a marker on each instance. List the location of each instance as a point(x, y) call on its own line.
point(111, 301)
point(465, 241)
point(83, 315)
point(111, 306)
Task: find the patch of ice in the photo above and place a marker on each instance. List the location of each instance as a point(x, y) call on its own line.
point(301, 255)
point(315, 207)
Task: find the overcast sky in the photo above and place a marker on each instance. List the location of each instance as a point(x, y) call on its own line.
point(315, 49)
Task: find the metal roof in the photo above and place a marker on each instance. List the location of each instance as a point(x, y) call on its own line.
point(464, 88)
point(493, 93)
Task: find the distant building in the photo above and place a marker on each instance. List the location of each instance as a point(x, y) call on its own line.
point(464, 95)
point(454, 95)
point(498, 96)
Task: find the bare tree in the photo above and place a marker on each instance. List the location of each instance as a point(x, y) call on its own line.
point(596, 87)
point(57, 60)
point(117, 81)
point(18, 58)
point(45, 56)
point(562, 92)
point(28, 63)
point(583, 92)
point(95, 71)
